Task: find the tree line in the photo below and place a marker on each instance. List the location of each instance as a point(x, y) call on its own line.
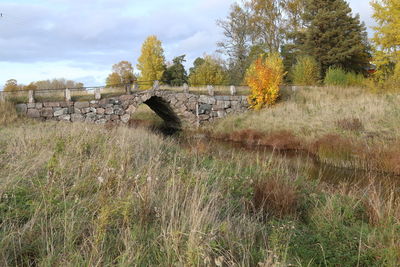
point(12, 85)
point(152, 66)
point(312, 37)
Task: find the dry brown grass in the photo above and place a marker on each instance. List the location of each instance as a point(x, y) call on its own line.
point(381, 206)
point(91, 195)
point(389, 159)
point(353, 124)
point(280, 140)
point(140, 123)
point(311, 113)
point(276, 198)
point(8, 113)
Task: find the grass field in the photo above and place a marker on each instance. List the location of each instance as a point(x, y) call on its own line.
point(79, 194)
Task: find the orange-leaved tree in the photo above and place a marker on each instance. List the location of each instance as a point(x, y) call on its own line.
point(264, 77)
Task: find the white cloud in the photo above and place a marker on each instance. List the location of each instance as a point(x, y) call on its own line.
point(75, 39)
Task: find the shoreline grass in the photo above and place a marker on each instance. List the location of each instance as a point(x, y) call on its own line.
point(346, 127)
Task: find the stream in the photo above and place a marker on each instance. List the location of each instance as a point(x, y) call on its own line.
point(297, 161)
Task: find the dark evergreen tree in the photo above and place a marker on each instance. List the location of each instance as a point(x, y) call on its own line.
point(176, 74)
point(334, 37)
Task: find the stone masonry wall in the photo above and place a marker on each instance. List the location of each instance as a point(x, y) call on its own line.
point(189, 108)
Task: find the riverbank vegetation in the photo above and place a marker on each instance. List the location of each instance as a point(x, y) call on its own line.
point(78, 194)
point(348, 127)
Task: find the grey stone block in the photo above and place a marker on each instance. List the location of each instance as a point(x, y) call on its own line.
point(47, 112)
point(21, 108)
point(65, 117)
point(81, 104)
point(59, 112)
point(33, 113)
point(204, 108)
point(207, 99)
point(77, 117)
point(125, 118)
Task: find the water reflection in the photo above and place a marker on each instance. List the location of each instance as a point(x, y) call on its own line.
point(299, 161)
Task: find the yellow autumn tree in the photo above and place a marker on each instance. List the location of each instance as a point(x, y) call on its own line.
point(264, 76)
point(122, 73)
point(151, 62)
point(209, 72)
point(113, 79)
point(386, 39)
point(11, 85)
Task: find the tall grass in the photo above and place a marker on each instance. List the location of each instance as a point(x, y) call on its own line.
point(8, 114)
point(76, 194)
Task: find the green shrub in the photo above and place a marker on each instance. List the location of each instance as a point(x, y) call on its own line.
point(335, 77)
point(354, 79)
point(305, 71)
point(339, 77)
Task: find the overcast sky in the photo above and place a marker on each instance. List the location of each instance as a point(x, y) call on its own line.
point(81, 39)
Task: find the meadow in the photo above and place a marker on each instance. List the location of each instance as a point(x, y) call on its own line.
point(79, 194)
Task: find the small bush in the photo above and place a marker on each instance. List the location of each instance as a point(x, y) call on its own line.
point(339, 77)
point(276, 198)
point(305, 71)
point(335, 77)
point(264, 77)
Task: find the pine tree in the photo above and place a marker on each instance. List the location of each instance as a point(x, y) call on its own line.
point(175, 74)
point(151, 62)
point(334, 37)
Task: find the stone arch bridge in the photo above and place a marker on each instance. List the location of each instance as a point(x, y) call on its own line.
point(175, 108)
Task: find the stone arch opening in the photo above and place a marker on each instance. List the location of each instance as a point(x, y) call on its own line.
point(171, 121)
